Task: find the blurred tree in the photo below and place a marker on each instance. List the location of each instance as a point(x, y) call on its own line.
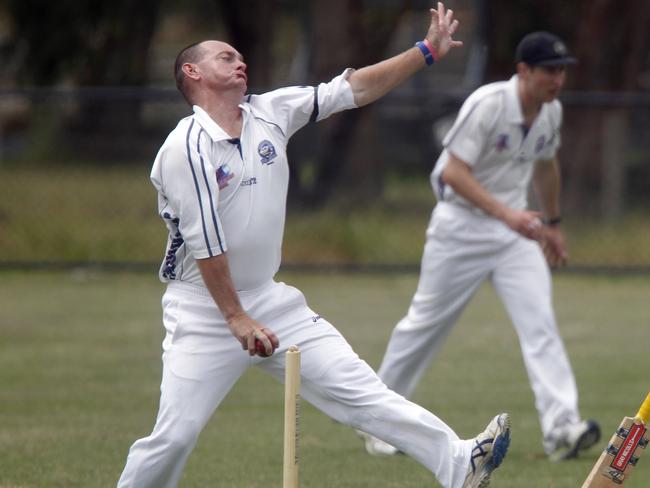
point(510, 20)
point(345, 150)
point(87, 43)
point(251, 27)
point(615, 65)
point(96, 44)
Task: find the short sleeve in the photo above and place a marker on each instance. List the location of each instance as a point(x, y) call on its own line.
point(188, 192)
point(467, 138)
point(292, 108)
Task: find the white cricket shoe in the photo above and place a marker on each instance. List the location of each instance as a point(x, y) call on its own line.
point(489, 449)
point(376, 446)
point(567, 441)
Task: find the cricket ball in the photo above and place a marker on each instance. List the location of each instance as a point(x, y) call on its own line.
point(259, 347)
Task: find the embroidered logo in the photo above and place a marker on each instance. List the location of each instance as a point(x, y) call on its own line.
point(266, 152)
point(539, 145)
point(559, 48)
point(502, 142)
point(224, 175)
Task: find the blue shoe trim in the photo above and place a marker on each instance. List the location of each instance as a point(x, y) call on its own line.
point(500, 449)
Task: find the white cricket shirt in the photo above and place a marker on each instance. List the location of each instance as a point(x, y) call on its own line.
point(216, 193)
point(489, 135)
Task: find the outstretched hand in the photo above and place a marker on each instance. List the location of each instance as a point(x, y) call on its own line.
point(442, 28)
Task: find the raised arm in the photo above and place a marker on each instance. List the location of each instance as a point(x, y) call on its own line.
point(374, 81)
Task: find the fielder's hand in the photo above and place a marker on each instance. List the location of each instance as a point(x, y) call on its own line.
point(441, 30)
point(525, 222)
point(554, 247)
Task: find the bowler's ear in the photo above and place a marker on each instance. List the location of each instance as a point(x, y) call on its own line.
point(190, 70)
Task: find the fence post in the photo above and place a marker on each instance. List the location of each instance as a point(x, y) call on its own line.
point(614, 138)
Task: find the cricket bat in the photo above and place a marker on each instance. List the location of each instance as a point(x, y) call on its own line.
point(621, 455)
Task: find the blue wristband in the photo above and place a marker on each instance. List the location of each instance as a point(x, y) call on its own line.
point(428, 55)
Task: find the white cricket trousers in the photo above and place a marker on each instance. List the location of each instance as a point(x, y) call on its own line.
point(463, 250)
point(202, 361)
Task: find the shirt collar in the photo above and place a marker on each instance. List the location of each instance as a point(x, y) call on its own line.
point(215, 132)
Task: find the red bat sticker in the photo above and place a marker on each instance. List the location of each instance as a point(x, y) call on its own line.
point(628, 447)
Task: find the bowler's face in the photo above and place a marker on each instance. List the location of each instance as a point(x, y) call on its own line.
point(222, 66)
point(545, 82)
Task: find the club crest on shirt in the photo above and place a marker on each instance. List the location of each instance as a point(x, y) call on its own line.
point(502, 142)
point(266, 152)
point(539, 145)
point(224, 175)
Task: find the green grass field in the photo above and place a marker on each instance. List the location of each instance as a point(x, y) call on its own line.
point(80, 371)
point(81, 213)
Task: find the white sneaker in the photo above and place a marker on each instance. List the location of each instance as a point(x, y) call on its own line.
point(489, 449)
point(377, 447)
point(570, 439)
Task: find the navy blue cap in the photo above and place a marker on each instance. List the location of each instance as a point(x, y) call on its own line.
point(543, 49)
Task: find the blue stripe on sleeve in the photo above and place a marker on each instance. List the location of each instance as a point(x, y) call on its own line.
point(207, 185)
point(314, 113)
point(196, 185)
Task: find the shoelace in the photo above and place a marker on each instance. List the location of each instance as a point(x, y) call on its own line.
point(481, 451)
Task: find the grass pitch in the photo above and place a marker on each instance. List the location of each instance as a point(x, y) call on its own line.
point(80, 372)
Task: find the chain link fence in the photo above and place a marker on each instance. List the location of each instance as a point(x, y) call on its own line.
point(74, 168)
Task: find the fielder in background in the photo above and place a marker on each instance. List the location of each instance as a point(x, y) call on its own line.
point(222, 178)
point(506, 134)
